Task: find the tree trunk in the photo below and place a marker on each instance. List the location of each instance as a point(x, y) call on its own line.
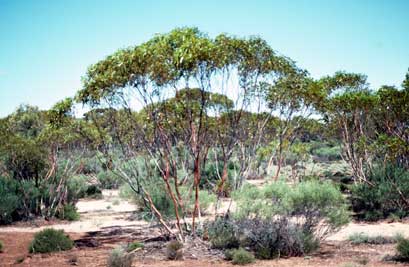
point(196, 173)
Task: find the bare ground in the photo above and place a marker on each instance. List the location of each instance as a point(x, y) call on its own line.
point(109, 222)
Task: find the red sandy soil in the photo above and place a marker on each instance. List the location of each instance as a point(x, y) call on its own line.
point(341, 254)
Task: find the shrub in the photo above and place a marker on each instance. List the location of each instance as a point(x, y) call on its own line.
point(318, 208)
point(242, 257)
point(9, 200)
point(50, 240)
point(119, 258)
point(385, 197)
point(94, 192)
point(362, 238)
point(1, 246)
point(327, 153)
point(270, 239)
point(174, 250)
point(77, 187)
point(69, 213)
point(108, 180)
point(222, 234)
point(403, 249)
point(134, 245)
point(206, 199)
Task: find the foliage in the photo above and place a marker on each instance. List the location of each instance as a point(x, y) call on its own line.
point(133, 246)
point(69, 213)
point(1, 246)
point(222, 234)
point(362, 238)
point(108, 180)
point(93, 191)
point(327, 153)
point(119, 258)
point(268, 239)
point(241, 257)
point(403, 249)
point(206, 199)
point(174, 250)
point(77, 187)
point(50, 240)
point(319, 208)
point(385, 195)
point(9, 200)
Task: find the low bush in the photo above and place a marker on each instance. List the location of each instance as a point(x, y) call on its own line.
point(108, 180)
point(134, 245)
point(271, 239)
point(319, 208)
point(206, 199)
point(223, 234)
point(386, 196)
point(403, 249)
point(281, 220)
point(77, 187)
point(174, 250)
point(242, 257)
point(1, 246)
point(93, 191)
point(119, 258)
point(69, 213)
point(362, 238)
point(268, 239)
point(327, 153)
point(50, 240)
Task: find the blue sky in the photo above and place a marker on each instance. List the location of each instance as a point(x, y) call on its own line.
point(46, 46)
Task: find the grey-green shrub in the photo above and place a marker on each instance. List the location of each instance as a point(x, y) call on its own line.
point(120, 258)
point(383, 196)
point(318, 207)
point(134, 245)
point(50, 240)
point(206, 199)
point(222, 233)
point(403, 249)
point(362, 238)
point(9, 199)
point(69, 213)
point(174, 250)
point(242, 257)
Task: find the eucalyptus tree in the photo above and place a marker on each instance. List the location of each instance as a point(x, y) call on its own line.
point(292, 98)
point(184, 64)
point(349, 104)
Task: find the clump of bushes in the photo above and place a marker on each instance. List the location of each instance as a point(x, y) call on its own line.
point(120, 258)
point(223, 233)
point(50, 240)
point(319, 208)
point(281, 220)
point(385, 196)
point(108, 180)
point(267, 239)
point(174, 250)
point(69, 213)
point(241, 256)
point(1, 246)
